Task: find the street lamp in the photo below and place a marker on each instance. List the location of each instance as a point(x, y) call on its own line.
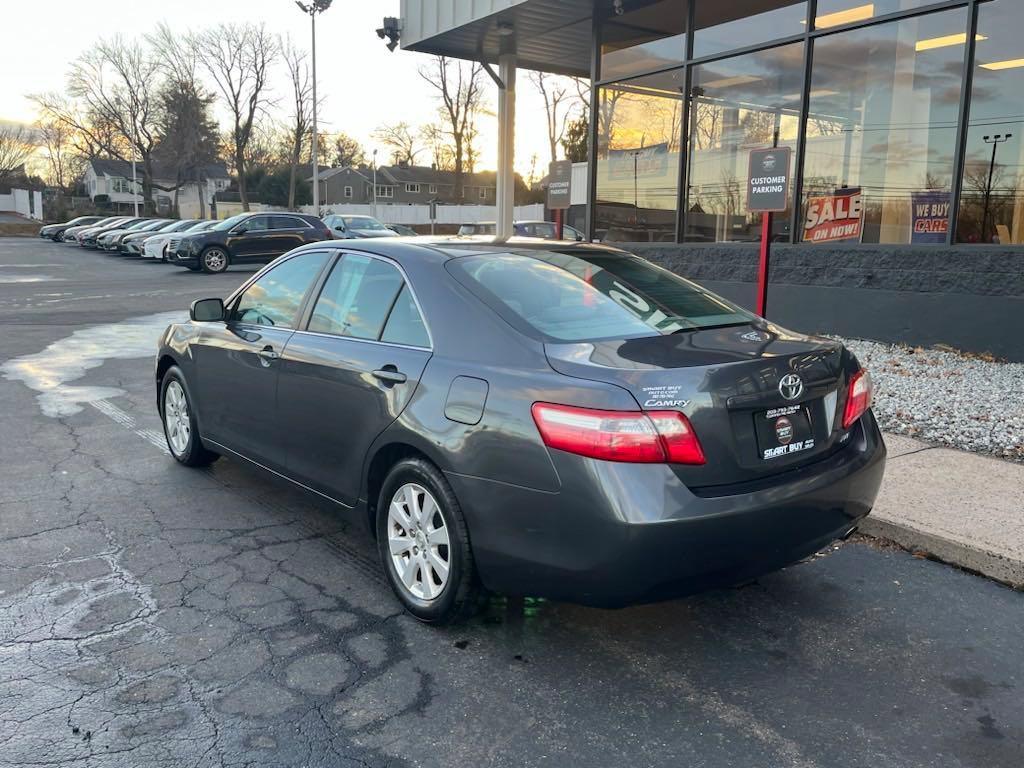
point(313, 8)
point(995, 141)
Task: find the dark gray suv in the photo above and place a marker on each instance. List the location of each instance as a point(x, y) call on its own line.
point(557, 420)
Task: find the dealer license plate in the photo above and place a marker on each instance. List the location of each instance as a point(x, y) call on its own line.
point(784, 431)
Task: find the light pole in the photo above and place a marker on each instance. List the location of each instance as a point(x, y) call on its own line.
point(375, 183)
point(135, 179)
point(313, 8)
point(995, 141)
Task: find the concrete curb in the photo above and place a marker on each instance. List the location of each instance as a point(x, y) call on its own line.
point(993, 566)
point(957, 507)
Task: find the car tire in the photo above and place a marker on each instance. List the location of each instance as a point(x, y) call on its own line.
point(214, 260)
point(424, 545)
point(178, 416)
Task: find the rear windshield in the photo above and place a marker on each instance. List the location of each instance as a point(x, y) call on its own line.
point(590, 296)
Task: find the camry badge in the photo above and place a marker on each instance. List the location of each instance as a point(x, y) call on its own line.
point(791, 386)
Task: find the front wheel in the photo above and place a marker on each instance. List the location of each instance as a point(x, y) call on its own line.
point(181, 429)
point(424, 544)
point(214, 260)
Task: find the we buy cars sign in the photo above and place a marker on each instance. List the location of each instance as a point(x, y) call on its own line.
point(834, 218)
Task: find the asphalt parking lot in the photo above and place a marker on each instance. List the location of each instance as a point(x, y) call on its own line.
point(152, 615)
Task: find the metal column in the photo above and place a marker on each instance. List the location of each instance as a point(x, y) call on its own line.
point(506, 144)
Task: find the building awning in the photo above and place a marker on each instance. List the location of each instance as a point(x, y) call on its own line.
point(550, 35)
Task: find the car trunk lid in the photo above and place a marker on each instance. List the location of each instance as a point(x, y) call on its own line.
point(736, 385)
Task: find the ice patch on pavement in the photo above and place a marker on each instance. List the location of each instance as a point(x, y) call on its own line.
point(28, 279)
point(51, 371)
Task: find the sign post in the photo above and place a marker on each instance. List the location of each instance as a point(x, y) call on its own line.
point(559, 191)
point(767, 193)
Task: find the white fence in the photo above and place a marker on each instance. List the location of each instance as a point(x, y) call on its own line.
point(420, 214)
point(24, 202)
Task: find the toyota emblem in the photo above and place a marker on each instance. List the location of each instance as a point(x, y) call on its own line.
point(791, 386)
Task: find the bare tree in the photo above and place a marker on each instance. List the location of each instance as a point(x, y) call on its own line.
point(302, 108)
point(64, 163)
point(401, 140)
point(441, 155)
point(582, 96)
point(16, 147)
point(460, 91)
point(118, 83)
point(348, 153)
point(238, 58)
point(558, 106)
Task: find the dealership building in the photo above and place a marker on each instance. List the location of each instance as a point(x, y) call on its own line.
point(901, 123)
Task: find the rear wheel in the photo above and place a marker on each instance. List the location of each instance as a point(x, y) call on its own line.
point(214, 260)
point(179, 420)
point(424, 544)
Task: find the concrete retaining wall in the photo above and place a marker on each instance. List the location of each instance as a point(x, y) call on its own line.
point(971, 298)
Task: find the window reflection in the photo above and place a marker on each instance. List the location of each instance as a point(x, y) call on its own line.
point(639, 131)
point(738, 105)
point(992, 196)
point(881, 130)
point(648, 36)
point(275, 298)
point(356, 298)
point(726, 26)
point(834, 13)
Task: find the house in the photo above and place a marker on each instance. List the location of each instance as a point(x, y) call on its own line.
point(112, 179)
point(403, 185)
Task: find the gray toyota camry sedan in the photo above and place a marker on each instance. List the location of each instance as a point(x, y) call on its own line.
point(548, 419)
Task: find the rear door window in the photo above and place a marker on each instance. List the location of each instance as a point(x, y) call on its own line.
point(274, 300)
point(357, 298)
point(590, 296)
point(286, 222)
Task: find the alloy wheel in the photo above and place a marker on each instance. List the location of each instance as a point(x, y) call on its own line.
point(215, 260)
point(418, 541)
point(177, 420)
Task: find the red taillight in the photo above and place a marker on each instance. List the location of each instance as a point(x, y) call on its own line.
point(651, 437)
point(858, 397)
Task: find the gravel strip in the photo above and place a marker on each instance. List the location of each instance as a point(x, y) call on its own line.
point(947, 398)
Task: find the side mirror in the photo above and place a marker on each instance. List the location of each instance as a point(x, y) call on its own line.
point(206, 310)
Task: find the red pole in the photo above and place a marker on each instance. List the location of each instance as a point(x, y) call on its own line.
point(558, 224)
point(762, 269)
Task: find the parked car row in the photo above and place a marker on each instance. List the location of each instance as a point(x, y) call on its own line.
point(248, 238)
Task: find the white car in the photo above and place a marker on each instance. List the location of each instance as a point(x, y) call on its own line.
point(155, 245)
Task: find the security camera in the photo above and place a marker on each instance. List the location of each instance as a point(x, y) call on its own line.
point(392, 30)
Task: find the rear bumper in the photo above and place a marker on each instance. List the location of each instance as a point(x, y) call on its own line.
point(617, 534)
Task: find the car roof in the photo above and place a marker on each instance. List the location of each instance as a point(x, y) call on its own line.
point(442, 248)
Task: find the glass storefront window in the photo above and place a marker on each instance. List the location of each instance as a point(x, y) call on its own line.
point(722, 27)
point(881, 130)
point(738, 105)
point(836, 13)
point(646, 37)
point(637, 175)
point(992, 195)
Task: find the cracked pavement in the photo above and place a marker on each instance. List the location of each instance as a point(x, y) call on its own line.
point(152, 615)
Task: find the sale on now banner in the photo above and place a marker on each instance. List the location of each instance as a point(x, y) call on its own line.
point(836, 217)
point(930, 217)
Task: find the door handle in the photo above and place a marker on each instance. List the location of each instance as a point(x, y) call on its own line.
point(389, 374)
point(268, 353)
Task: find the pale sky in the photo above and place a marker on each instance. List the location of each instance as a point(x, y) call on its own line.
point(363, 84)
